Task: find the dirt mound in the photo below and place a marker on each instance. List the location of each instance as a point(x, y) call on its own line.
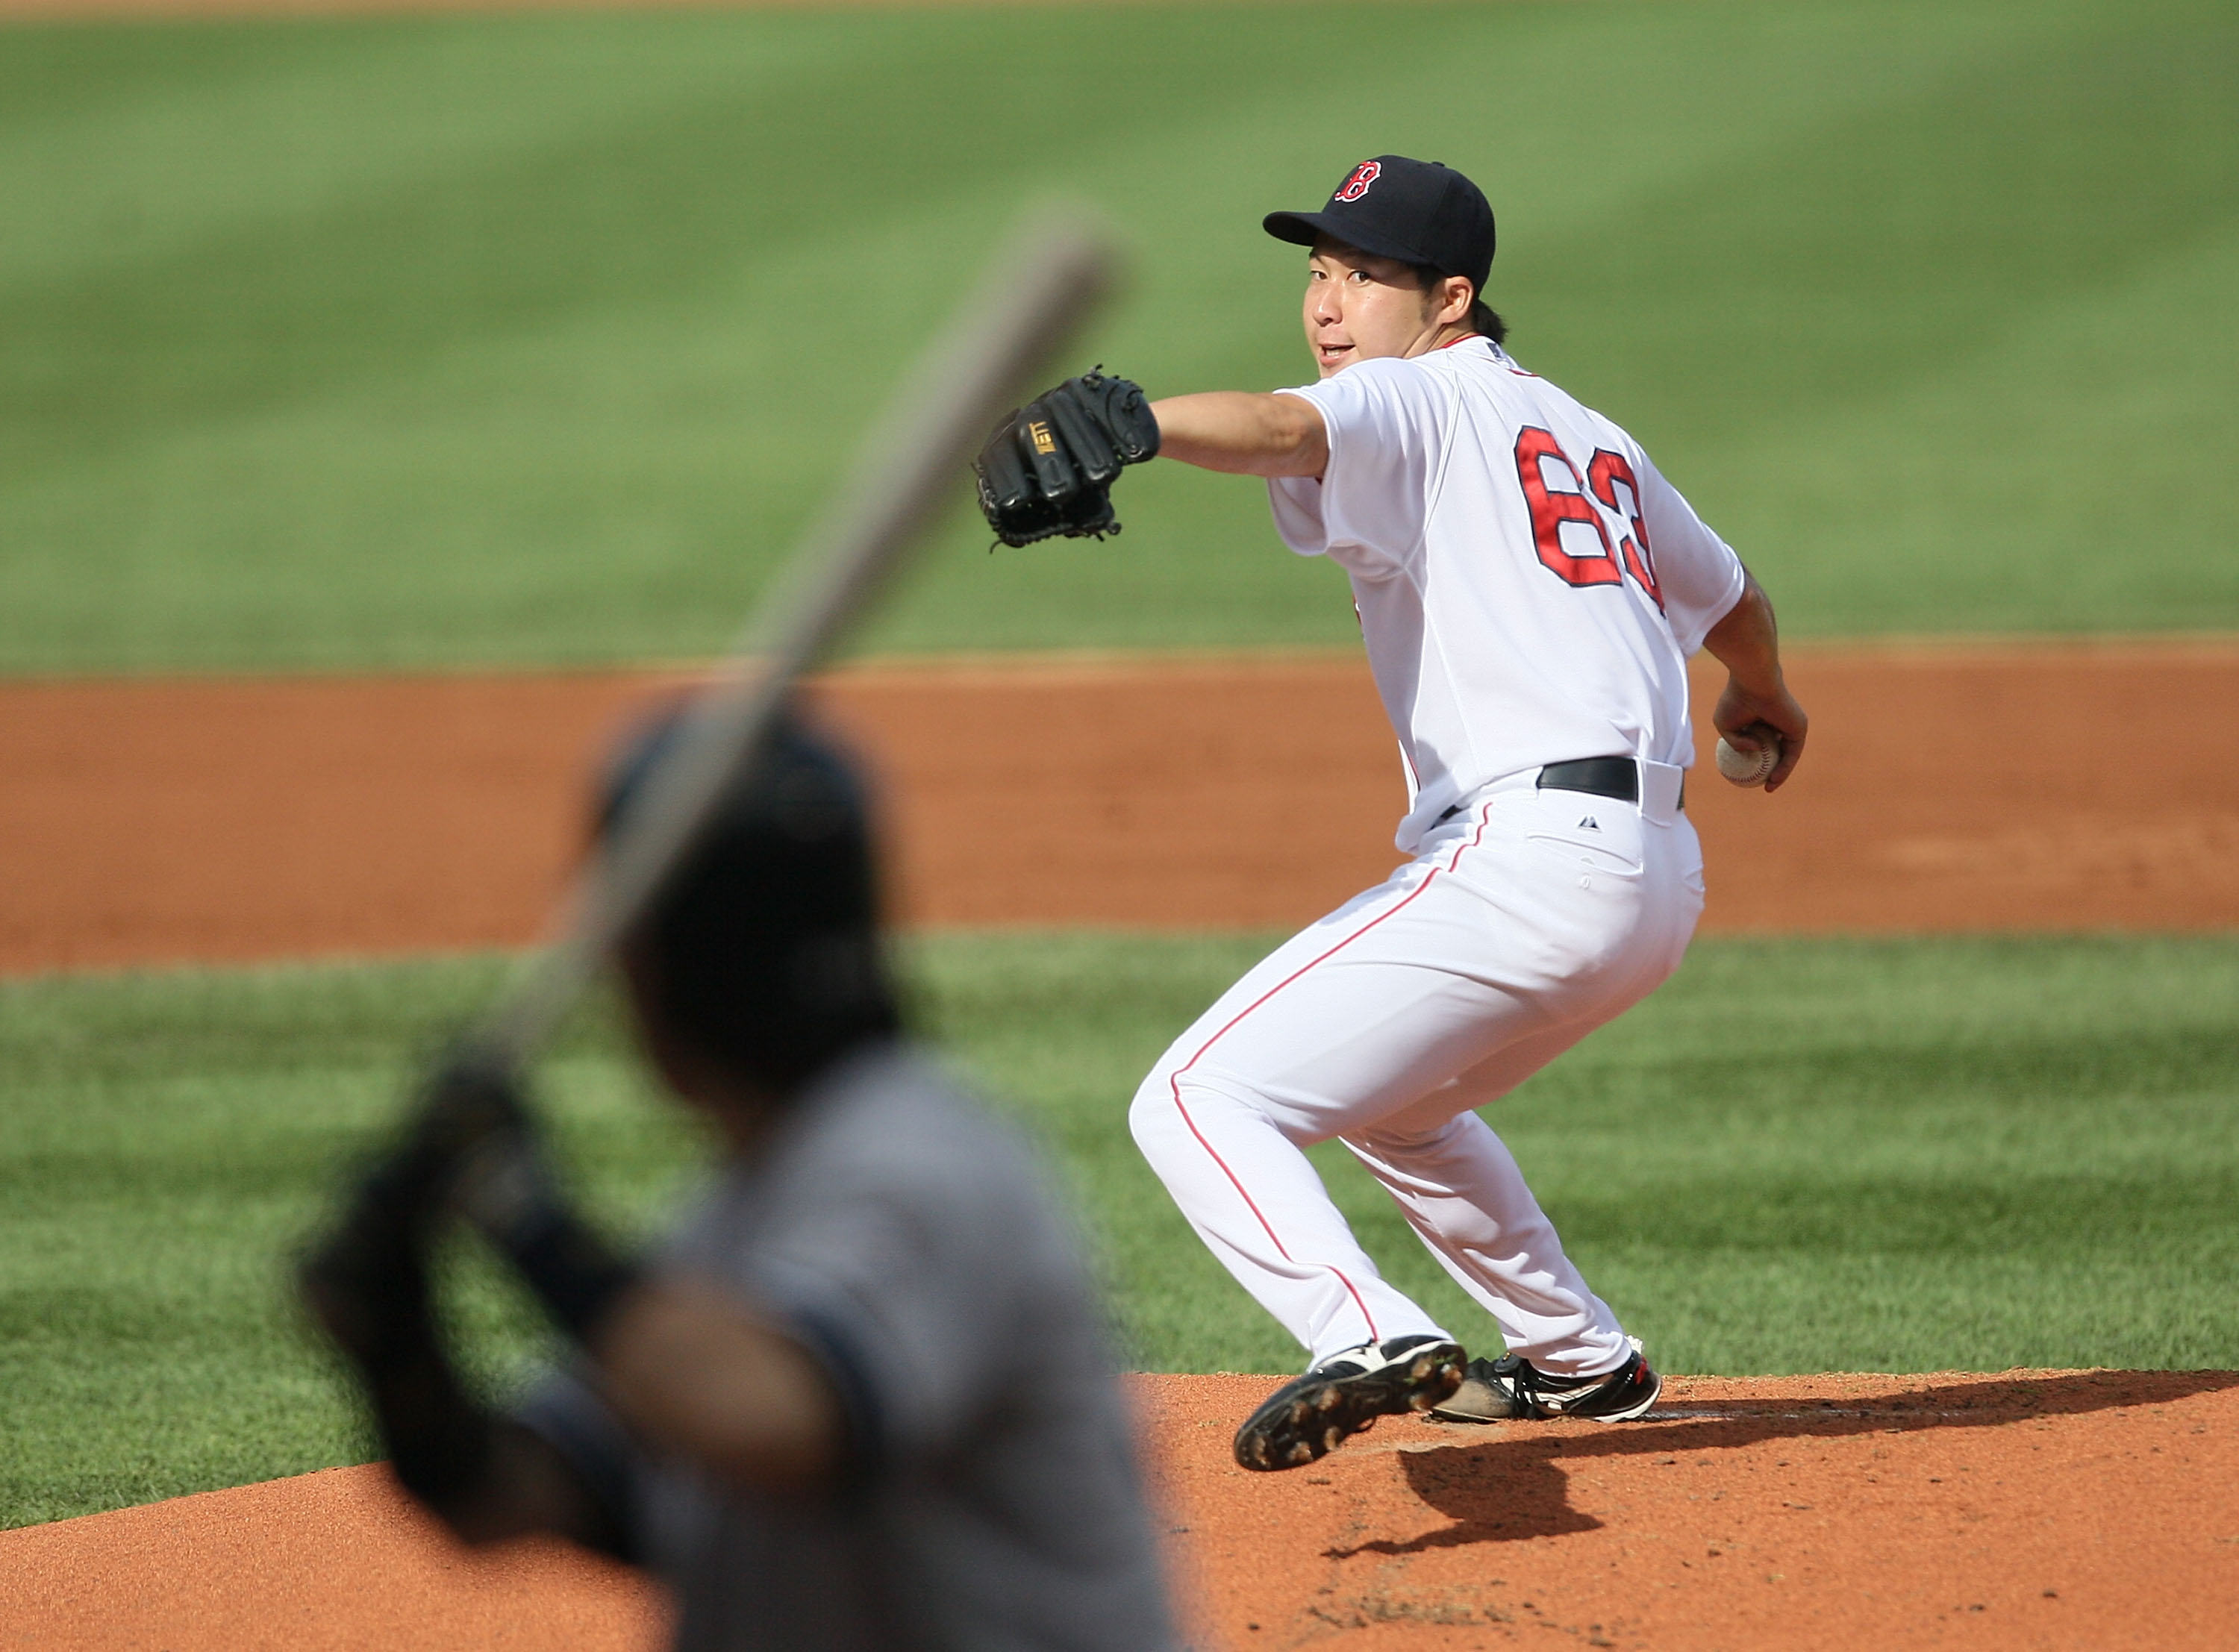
point(158, 821)
point(2027, 1510)
point(2031, 1509)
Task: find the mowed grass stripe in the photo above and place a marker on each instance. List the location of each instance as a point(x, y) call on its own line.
point(531, 339)
point(1798, 1156)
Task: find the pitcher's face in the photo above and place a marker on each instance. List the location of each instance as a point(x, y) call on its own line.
point(1359, 307)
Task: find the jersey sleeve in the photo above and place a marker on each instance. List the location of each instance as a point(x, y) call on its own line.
point(1387, 421)
point(1700, 576)
point(886, 1303)
point(928, 1276)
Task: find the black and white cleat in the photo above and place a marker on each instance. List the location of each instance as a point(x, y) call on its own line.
point(1512, 1388)
point(1311, 1415)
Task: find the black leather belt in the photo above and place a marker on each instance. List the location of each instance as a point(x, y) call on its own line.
point(1617, 777)
point(1609, 777)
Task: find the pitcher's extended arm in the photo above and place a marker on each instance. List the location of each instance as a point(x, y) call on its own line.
point(1243, 434)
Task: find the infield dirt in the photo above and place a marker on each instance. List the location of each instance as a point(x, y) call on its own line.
point(1995, 788)
point(2032, 1509)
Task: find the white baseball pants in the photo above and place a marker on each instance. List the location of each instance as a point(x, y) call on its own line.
point(1525, 922)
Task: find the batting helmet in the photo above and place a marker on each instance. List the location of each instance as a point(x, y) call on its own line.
point(763, 951)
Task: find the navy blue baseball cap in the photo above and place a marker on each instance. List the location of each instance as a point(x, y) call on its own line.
point(1419, 212)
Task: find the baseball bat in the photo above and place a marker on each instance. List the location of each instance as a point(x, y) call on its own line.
point(1036, 293)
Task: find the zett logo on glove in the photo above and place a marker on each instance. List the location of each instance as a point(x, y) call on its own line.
point(1049, 467)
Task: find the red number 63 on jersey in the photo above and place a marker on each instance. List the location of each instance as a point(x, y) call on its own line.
point(1610, 475)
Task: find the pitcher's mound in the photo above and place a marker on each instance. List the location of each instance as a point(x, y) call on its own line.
point(2097, 1509)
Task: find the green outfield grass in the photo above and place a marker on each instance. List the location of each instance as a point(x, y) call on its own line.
point(527, 339)
point(1801, 1155)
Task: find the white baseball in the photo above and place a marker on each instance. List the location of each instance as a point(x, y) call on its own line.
point(1749, 768)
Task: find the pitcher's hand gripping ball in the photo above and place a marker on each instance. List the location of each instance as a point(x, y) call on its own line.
point(1049, 466)
point(1750, 768)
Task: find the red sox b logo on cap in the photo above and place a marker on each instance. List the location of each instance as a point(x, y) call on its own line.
point(1357, 186)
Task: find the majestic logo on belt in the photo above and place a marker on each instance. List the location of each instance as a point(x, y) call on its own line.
point(1357, 186)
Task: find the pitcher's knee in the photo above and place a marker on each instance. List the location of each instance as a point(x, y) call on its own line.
point(1175, 1111)
point(1154, 1119)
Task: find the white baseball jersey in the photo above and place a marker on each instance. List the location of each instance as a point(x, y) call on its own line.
point(1529, 586)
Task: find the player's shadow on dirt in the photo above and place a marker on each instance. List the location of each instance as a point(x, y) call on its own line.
point(1518, 1494)
point(1509, 1489)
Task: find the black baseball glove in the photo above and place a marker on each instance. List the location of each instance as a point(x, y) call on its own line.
point(1049, 466)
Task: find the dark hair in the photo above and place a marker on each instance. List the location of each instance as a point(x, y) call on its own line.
point(762, 953)
point(1483, 319)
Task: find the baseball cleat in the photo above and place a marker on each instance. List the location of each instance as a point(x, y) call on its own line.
point(1500, 1390)
point(1309, 1417)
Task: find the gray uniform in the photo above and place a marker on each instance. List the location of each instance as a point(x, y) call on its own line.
point(992, 1499)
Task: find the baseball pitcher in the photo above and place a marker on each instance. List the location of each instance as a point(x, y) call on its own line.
point(1529, 590)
